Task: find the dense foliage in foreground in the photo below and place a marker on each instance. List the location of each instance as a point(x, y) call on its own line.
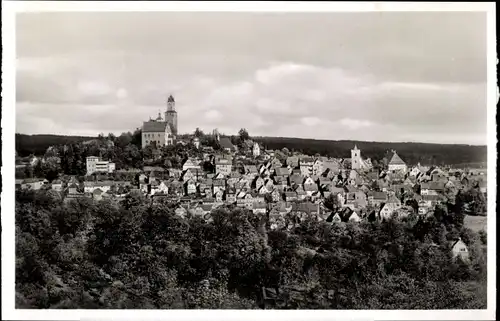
point(138, 255)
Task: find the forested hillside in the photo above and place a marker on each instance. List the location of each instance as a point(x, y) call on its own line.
point(412, 153)
point(133, 255)
point(38, 144)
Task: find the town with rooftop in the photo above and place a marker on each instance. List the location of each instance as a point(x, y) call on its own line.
point(225, 207)
point(284, 186)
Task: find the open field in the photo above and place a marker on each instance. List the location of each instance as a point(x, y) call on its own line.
point(475, 223)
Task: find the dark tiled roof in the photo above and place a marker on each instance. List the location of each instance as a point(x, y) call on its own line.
point(379, 195)
point(281, 171)
point(226, 143)
point(396, 160)
point(154, 126)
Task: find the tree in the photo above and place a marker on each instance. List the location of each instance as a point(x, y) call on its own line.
point(198, 133)
point(123, 140)
point(332, 202)
point(137, 138)
point(87, 254)
point(243, 134)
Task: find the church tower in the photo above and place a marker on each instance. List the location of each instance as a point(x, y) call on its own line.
point(355, 158)
point(171, 114)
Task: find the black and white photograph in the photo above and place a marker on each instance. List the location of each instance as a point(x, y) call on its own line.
point(235, 159)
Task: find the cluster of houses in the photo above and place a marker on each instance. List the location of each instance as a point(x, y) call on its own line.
point(297, 186)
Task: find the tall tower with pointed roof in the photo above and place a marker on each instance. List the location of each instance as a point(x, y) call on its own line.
point(356, 162)
point(171, 114)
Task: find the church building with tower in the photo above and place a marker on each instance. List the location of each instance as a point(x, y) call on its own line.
point(159, 131)
point(357, 162)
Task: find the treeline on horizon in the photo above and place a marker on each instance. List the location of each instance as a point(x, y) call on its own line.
point(411, 153)
point(37, 144)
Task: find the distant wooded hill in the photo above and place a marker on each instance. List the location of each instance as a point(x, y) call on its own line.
point(412, 153)
point(38, 144)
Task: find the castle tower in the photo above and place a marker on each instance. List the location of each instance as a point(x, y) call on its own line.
point(171, 114)
point(355, 158)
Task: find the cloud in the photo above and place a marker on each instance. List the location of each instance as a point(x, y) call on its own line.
point(355, 123)
point(213, 115)
point(326, 81)
point(310, 121)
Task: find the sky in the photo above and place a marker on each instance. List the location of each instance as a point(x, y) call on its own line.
point(369, 76)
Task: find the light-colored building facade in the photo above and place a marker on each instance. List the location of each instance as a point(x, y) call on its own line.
point(256, 150)
point(223, 166)
point(96, 165)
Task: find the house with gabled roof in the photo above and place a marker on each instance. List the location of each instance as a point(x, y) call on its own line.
point(223, 166)
point(292, 161)
point(269, 184)
point(33, 183)
point(377, 198)
point(308, 181)
point(187, 175)
point(218, 196)
point(218, 185)
point(306, 166)
point(226, 145)
point(301, 194)
point(182, 210)
point(459, 249)
point(290, 196)
point(235, 175)
point(190, 163)
point(344, 215)
point(387, 209)
point(190, 187)
point(325, 184)
point(396, 164)
point(259, 208)
point(431, 188)
point(310, 187)
point(306, 208)
point(317, 168)
point(281, 172)
point(276, 195)
point(263, 190)
point(295, 179)
point(281, 181)
point(275, 163)
point(257, 183)
point(230, 195)
point(264, 171)
point(57, 185)
point(250, 169)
